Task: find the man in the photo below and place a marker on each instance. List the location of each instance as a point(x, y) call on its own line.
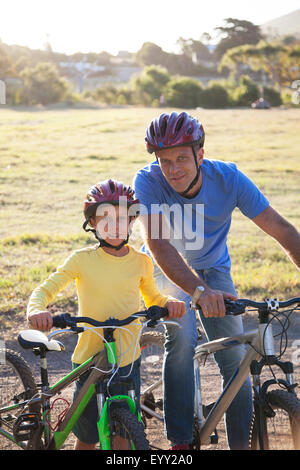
point(209, 189)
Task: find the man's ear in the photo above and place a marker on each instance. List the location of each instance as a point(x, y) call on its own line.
point(200, 155)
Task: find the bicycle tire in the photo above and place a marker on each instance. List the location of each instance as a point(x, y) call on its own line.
point(129, 433)
point(285, 434)
point(16, 383)
point(152, 354)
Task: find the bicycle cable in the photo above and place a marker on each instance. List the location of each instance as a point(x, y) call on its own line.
point(134, 352)
point(283, 334)
point(115, 369)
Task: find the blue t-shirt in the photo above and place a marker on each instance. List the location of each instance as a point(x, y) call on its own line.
point(198, 227)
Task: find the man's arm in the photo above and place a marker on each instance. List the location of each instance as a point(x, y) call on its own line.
point(174, 266)
point(177, 270)
point(281, 230)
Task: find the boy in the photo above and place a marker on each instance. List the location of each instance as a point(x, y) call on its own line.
point(109, 279)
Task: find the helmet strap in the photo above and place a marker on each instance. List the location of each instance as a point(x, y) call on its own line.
point(195, 180)
point(101, 241)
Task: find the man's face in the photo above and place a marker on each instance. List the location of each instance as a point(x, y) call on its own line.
point(178, 166)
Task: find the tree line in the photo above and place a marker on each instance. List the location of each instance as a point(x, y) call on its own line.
point(156, 87)
point(242, 66)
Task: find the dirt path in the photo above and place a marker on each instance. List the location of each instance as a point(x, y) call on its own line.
point(60, 363)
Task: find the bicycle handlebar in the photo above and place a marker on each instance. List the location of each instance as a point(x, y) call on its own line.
point(239, 306)
point(153, 313)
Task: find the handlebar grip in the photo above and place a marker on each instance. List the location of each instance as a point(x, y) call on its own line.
point(154, 313)
point(234, 307)
point(164, 312)
point(61, 321)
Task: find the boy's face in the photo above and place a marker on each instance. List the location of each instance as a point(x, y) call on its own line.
point(112, 223)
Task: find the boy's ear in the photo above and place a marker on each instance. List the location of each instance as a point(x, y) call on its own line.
point(92, 222)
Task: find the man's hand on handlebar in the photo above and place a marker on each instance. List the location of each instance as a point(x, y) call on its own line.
point(212, 302)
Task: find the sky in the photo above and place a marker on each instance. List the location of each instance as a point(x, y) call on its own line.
point(113, 25)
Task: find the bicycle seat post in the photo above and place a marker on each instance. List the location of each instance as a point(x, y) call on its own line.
point(42, 352)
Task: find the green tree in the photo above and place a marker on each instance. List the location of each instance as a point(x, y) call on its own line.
point(7, 68)
point(236, 33)
point(272, 96)
point(149, 85)
point(183, 92)
point(106, 94)
point(279, 62)
point(150, 54)
point(234, 58)
point(215, 96)
point(247, 92)
point(43, 85)
point(193, 48)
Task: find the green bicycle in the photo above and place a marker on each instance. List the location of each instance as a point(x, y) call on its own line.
point(25, 407)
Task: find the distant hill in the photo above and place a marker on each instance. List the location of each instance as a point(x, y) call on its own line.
point(283, 26)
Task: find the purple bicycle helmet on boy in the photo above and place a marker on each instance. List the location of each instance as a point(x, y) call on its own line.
point(108, 192)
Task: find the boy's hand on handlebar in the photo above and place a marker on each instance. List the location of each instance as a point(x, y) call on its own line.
point(176, 308)
point(212, 302)
point(41, 321)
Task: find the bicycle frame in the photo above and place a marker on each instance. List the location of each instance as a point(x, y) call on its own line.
point(261, 342)
point(75, 410)
point(81, 401)
point(209, 424)
point(93, 364)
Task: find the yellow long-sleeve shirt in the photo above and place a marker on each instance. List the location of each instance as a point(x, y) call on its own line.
point(107, 286)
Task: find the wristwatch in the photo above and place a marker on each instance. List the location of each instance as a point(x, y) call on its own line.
point(196, 296)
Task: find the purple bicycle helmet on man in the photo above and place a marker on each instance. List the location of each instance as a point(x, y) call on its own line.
point(176, 130)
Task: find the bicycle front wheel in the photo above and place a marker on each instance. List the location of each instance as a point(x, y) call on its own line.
point(152, 354)
point(128, 433)
point(280, 424)
point(17, 384)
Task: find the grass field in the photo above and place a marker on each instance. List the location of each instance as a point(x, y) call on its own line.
point(49, 158)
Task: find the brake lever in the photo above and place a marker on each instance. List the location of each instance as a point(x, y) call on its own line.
point(169, 322)
point(152, 323)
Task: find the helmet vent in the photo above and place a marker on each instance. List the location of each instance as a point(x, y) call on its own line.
point(164, 127)
point(112, 186)
point(179, 124)
point(152, 132)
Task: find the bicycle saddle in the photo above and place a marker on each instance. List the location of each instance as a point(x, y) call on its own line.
point(30, 339)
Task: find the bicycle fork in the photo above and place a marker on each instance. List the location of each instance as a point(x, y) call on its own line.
point(261, 408)
point(104, 402)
